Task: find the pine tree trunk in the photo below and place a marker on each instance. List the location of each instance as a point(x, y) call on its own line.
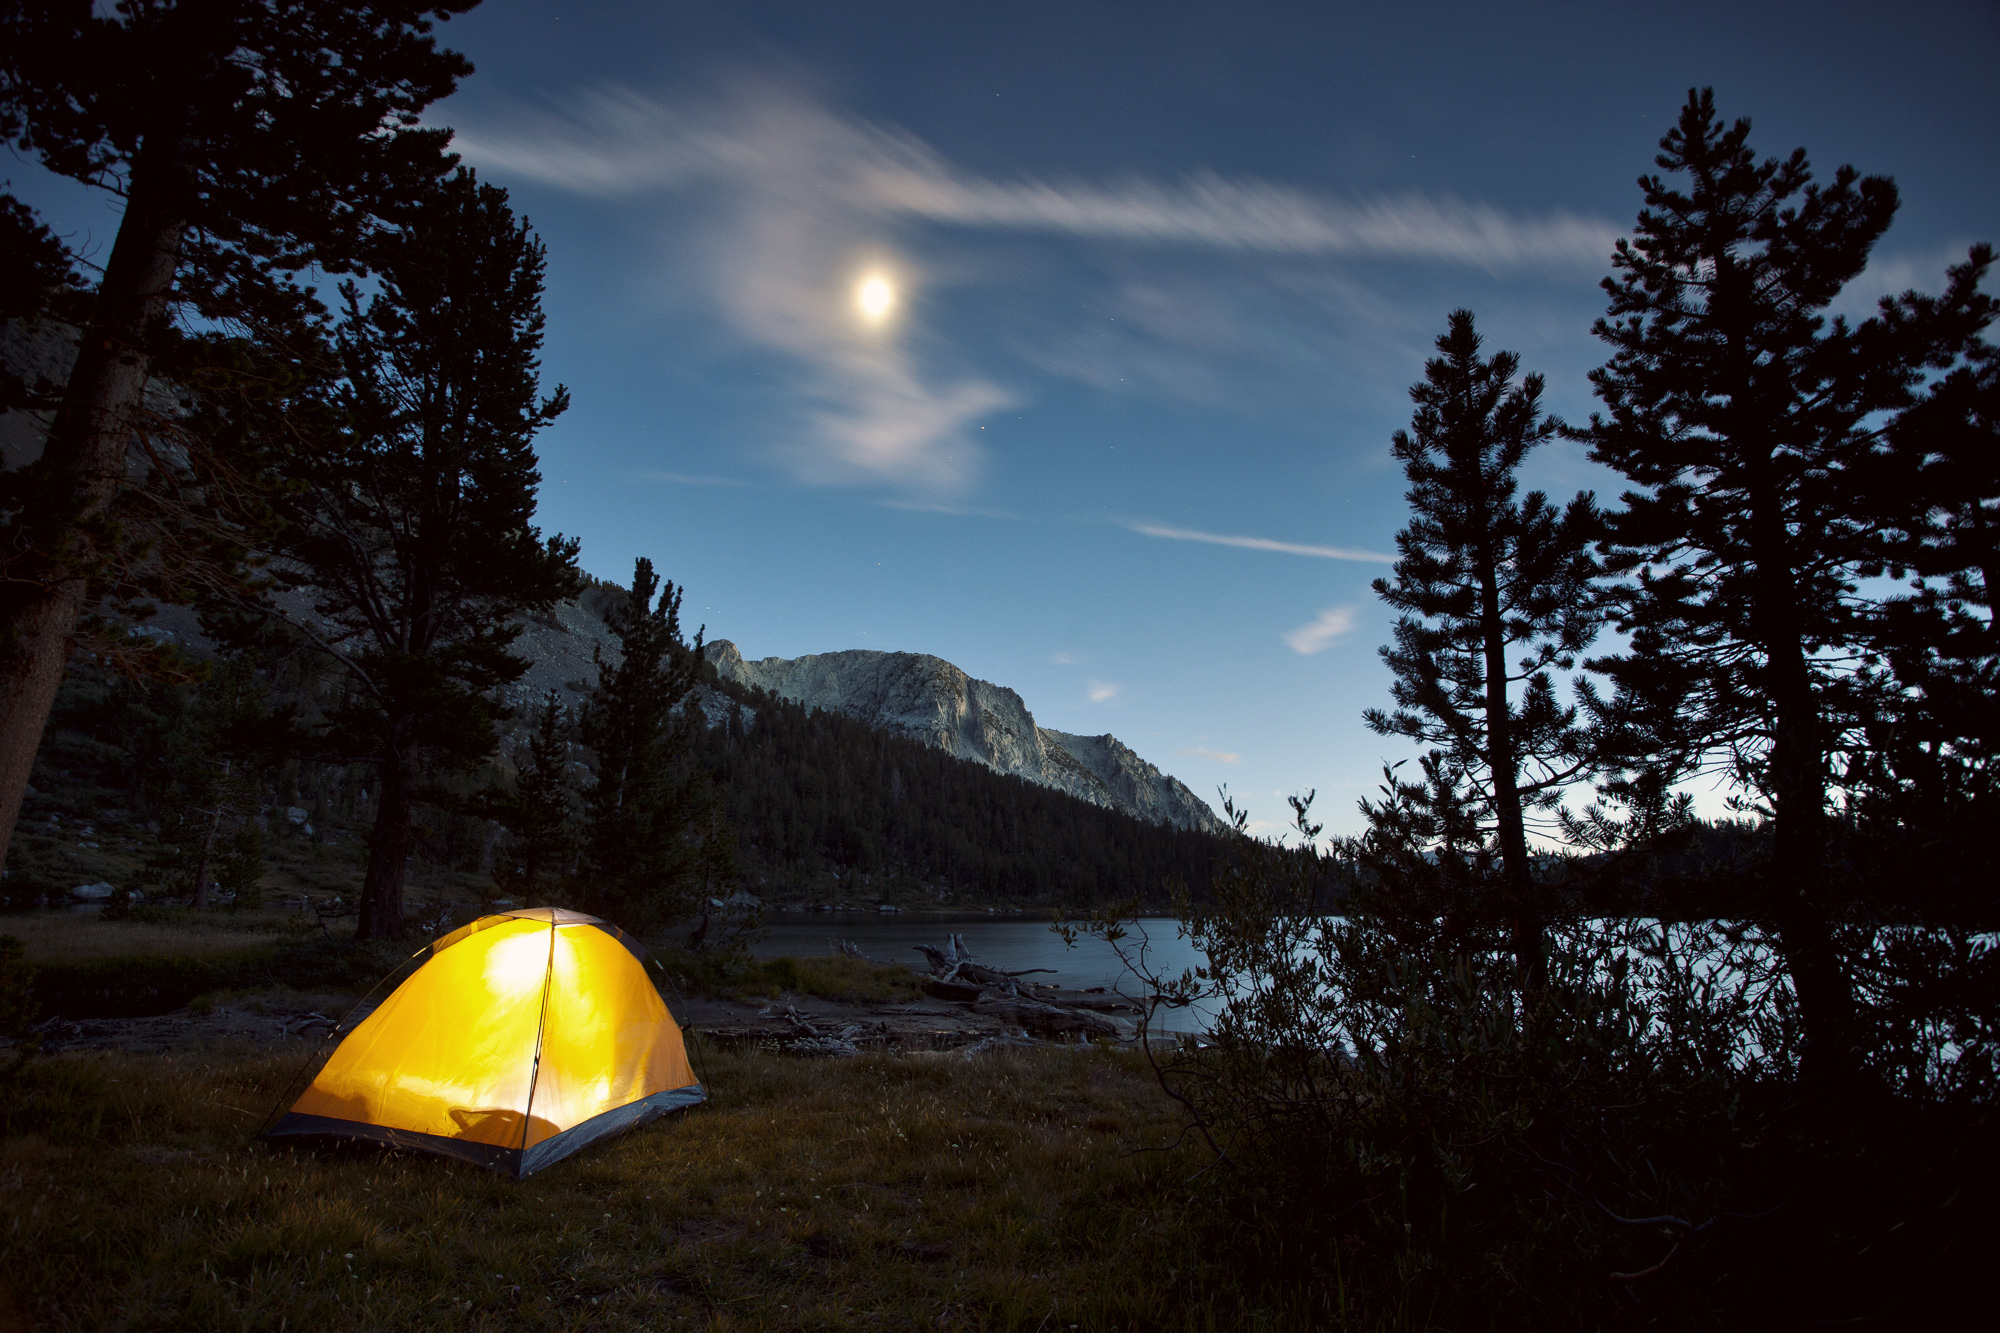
point(381, 915)
point(205, 861)
point(85, 459)
point(31, 670)
point(1798, 866)
point(1525, 922)
point(1798, 807)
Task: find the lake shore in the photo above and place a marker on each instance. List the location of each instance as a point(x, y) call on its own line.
point(281, 1019)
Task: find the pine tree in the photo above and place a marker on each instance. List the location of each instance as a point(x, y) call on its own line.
point(38, 281)
point(540, 808)
point(1740, 413)
point(249, 141)
point(1927, 780)
point(215, 771)
point(412, 532)
point(1496, 592)
point(653, 840)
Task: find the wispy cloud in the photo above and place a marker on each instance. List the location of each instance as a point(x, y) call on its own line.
point(1206, 209)
point(785, 232)
point(1203, 752)
point(1319, 634)
point(1064, 659)
point(1103, 692)
point(690, 479)
point(1257, 543)
point(800, 199)
point(941, 507)
point(617, 142)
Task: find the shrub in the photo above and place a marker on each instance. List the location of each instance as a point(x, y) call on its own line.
point(1396, 1118)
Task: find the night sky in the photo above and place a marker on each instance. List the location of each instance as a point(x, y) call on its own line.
point(1065, 340)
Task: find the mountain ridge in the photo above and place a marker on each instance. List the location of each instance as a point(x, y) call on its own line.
point(924, 697)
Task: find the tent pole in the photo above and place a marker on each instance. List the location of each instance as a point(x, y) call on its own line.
point(541, 1029)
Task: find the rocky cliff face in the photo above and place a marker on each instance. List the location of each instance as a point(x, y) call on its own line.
point(929, 699)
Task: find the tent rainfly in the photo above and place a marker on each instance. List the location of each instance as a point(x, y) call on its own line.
point(521, 1039)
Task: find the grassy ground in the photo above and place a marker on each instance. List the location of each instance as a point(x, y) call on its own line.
point(833, 977)
point(936, 1192)
point(81, 936)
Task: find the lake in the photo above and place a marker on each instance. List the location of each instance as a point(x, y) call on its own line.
point(1007, 942)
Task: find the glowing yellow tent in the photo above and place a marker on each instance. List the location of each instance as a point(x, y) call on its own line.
point(522, 1038)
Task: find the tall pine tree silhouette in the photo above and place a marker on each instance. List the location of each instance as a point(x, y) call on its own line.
point(1928, 780)
point(540, 808)
point(1495, 588)
point(412, 531)
point(652, 832)
point(1741, 414)
point(249, 141)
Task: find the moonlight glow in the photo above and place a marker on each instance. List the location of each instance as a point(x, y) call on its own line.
point(874, 298)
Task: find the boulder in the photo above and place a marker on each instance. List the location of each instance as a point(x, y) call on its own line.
point(92, 893)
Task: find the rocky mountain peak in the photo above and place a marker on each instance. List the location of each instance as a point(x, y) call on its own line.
point(931, 700)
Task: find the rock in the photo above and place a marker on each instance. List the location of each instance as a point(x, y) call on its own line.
point(92, 893)
point(296, 814)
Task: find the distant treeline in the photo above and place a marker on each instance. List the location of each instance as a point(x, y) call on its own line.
point(815, 792)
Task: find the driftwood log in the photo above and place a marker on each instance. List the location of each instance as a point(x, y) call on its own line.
point(996, 993)
point(953, 965)
point(1047, 1020)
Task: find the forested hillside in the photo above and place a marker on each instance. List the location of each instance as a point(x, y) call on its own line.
point(824, 809)
point(813, 794)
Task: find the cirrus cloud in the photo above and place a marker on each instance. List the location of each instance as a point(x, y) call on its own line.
point(1258, 543)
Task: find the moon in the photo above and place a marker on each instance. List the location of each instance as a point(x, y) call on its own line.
point(874, 298)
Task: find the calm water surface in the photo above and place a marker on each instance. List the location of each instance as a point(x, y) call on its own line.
point(1010, 943)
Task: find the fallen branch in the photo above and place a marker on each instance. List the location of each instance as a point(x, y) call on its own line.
point(1648, 1272)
